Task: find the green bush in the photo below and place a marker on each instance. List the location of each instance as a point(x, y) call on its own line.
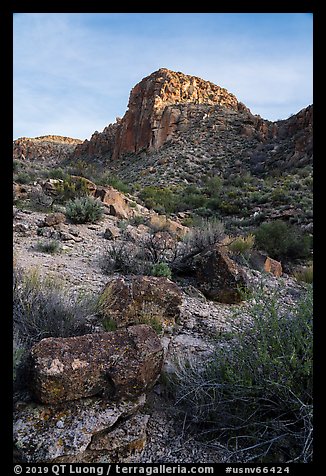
point(282, 240)
point(50, 246)
point(109, 179)
point(71, 188)
point(214, 186)
point(254, 395)
point(24, 178)
point(109, 324)
point(242, 245)
point(161, 269)
point(58, 174)
point(84, 210)
point(159, 198)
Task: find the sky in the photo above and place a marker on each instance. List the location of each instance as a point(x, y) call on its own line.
point(73, 72)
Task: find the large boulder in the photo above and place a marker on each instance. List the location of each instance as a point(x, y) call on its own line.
point(274, 267)
point(162, 223)
point(135, 299)
point(116, 202)
point(54, 219)
point(218, 277)
point(87, 430)
point(117, 364)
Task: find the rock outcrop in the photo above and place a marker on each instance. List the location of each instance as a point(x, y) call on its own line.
point(218, 277)
point(154, 114)
point(47, 148)
point(134, 299)
point(116, 364)
point(79, 431)
point(273, 266)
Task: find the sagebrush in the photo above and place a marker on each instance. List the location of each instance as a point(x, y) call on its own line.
point(254, 394)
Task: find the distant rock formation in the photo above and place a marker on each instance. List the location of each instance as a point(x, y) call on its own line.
point(44, 147)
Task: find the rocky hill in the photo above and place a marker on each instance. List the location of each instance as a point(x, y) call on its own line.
point(181, 123)
point(45, 148)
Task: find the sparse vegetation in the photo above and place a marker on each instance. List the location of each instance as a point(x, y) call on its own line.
point(49, 246)
point(254, 395)
point(42, 308)
point(305, 274)
point(24, 177)
point(84, 210)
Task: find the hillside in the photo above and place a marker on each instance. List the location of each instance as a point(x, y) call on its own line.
point(183, 123)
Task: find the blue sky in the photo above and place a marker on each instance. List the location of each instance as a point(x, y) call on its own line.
point(73, 72)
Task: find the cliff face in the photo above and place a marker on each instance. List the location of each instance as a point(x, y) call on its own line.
point(175, 114)
point(44, 147)
point(155, 114)
point(152, 117)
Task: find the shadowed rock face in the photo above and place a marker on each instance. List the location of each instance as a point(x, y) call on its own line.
point(218, 277)
point(115, 364)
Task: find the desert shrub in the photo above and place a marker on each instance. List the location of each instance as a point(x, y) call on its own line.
point(137, 220)
point(254, 394)
point(305, 274)
point(149, 255)
point(70, 189)
point(24, 177)
point(84, 210)
point(282, 240)
point(242, 245)
point(279, 196)
point(206, 233)
point(42, 308)
point(122, 257)
point(58, 174)
point(160, 199)
point(213, 186)
point(109, 324)
point(49, 246)
point(228, 207)
point(161, 269)
point(109, 179)
point(204, 212)
point(39, 201)
point(15, 166)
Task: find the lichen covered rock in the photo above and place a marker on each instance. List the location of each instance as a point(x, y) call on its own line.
point(218, 277)
point(77, 431)
point(121, 364)
point(134, 299)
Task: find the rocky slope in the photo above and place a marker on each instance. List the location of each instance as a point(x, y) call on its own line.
point(66, 428)
point(181, 122)
point(44, 148)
